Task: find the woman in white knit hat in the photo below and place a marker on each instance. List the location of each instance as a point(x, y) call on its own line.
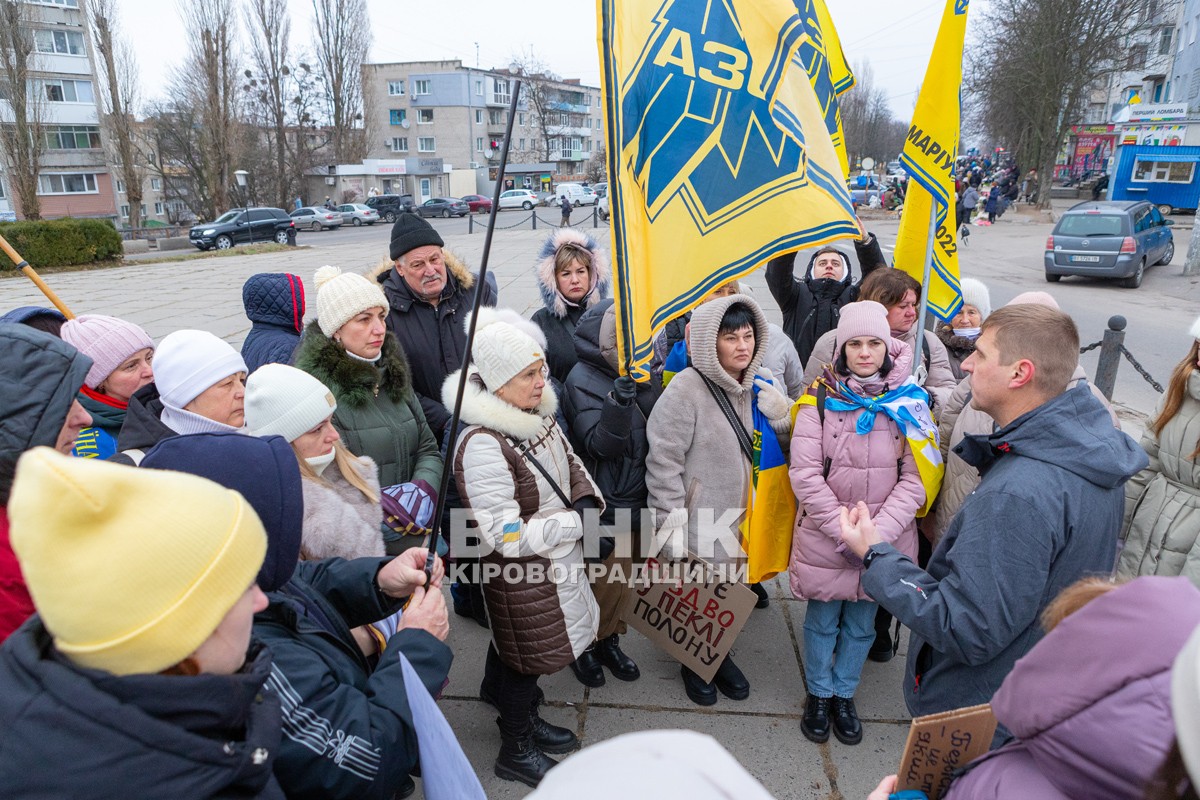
point(121, 355)
point(349, 350)
point(960, 333)
point(199, 387)
point(528, 489)
point(1162, 502)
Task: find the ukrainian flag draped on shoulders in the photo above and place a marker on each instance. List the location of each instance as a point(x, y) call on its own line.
point(928, 156)
point(907, 405)
point(720, 117)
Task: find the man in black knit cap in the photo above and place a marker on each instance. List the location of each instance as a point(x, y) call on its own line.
point(431, 293)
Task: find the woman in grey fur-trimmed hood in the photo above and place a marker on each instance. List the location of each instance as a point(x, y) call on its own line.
point(573, 275)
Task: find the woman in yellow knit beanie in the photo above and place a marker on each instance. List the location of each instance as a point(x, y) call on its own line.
point(137, 674)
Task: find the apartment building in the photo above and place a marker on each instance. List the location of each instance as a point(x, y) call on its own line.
point(426, 112)
point(75, 178)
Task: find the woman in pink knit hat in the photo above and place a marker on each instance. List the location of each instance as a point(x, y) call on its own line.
point(121, 353)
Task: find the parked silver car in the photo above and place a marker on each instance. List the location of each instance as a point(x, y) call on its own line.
point(357, 214)
point(316, 219)
point(1103, 239)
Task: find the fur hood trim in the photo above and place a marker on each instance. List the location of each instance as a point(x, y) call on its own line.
point(554, 302)
point(353, 382)
point(481, 407)
point(454, 266)
point(706, 321)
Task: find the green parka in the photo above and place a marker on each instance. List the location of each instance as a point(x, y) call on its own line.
point(378, 414)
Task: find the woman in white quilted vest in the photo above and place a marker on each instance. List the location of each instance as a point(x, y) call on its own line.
point(528, 492)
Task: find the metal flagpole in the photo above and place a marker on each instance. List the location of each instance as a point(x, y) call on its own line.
point(918, 342)
point(452, 439)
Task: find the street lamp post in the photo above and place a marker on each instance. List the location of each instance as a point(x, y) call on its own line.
point(243, 182)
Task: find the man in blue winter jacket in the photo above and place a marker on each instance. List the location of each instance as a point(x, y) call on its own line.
point(1046, 514)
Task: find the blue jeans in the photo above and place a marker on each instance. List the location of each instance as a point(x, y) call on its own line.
point(837, 636)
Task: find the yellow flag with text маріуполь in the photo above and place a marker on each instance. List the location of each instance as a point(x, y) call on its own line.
point(928, 156)
point(719, 157)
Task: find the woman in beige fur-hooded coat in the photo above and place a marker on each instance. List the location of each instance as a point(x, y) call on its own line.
point(573, 276)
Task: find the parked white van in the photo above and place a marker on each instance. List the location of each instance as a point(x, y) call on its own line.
point(578, 195)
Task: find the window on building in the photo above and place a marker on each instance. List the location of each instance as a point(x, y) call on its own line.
point(397, 116)
point(479, 116)
point(125, 212)
point(1150, 171)
point(479, 88)
point(65, 3)
point(1164, 39)
point(587, 145)
point(500, 92)
point(520, 144)
point(425, 144)
point(1137, 57)
point(479, 144)
point(121, 187)
point(400, 144)
point(496, 116)
point(156, 184)
point(421, 87)
point(158, 209)
point(521, 119)
point(67, 43)
point(395, 88)
point(66, 91)
point(72, 137)
point(67, 183)
point(424, 116)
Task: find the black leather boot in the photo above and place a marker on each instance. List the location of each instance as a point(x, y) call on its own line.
point(520, 759)
point(815, 722)
point(730, 680)
point(587, 668)
point(551, 738)
point(846, 725)
point(699, 692)
point(609, 651)
point(763, 600)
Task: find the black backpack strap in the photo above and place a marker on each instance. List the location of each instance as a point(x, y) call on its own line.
point(925, 350)
point(739, 430)
point(545, 474)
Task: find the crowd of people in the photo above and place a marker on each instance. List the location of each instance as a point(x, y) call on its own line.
point(212, 562)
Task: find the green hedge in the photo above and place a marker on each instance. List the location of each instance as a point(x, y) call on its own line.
point(61, 242)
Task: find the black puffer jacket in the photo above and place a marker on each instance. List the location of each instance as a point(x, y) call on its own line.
point(82, 733)
point(608, 436)
point(274, 303)
point(40, 377)
point(432, 337)
point(348, 729)
point(812, 307)
point(143, 426)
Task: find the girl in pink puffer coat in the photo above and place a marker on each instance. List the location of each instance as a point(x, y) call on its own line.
point(835, 463)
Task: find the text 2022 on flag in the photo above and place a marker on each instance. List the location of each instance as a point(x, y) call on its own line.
point(928, 155)
point(718, 154)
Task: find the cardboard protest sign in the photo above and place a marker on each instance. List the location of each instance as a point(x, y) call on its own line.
point(688, 612)
point(938, 744)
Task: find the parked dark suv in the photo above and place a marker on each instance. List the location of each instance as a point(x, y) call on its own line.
point(240, 225)
point(1106, 239)
point(389, 205)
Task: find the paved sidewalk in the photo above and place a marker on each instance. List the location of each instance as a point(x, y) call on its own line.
point(763, 732)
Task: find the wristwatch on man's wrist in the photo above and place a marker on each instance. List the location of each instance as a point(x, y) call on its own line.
point(869, 556)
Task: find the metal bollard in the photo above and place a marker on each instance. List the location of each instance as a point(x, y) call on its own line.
point(470, 223)
point(1110, 355)
point(595, 218)
point(535, 218)
point(291, 236)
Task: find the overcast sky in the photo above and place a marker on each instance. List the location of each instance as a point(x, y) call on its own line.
point(895, 36)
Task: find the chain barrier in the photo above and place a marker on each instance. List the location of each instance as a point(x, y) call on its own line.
point(1140, 369)
point(1091, 346)
point(507, 227)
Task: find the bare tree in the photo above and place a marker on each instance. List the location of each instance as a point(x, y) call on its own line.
point(538, 87)
point(119, 80)
point(597, 166)
point(207, 84)
point(867, 120)
point(23, 140)
point(1030, 86)
point(343, 43)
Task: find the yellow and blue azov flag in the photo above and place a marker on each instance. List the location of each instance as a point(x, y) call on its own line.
point(928, 156)
point(827, 68)
point(718, 153)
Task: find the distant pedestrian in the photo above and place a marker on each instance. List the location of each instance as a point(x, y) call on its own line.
point(274, 303)
point(992, 205)
point(966, 205)
point(565, 205)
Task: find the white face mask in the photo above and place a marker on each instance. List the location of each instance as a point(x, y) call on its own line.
point(319, 463)
point(968, 333)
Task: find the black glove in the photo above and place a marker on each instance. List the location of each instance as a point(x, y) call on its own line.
point(625, 390)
